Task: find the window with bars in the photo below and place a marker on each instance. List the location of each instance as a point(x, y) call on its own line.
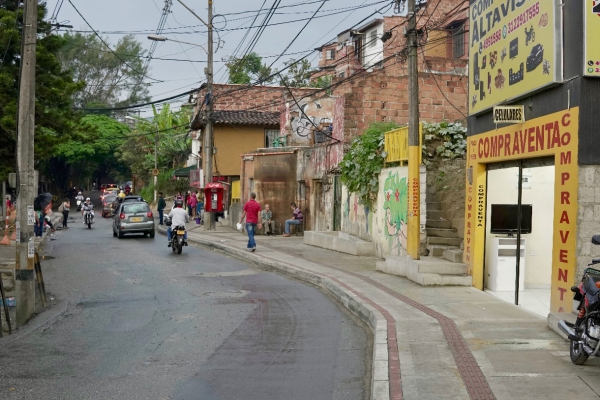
point(330, 54)
point(372, 38)
point(458, 39)
point(270, 135)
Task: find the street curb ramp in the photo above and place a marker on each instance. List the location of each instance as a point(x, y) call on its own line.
point(352, 302)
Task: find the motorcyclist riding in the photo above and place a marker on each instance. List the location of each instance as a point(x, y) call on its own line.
point(178, 217)
point(88, 206)
point(79, 200)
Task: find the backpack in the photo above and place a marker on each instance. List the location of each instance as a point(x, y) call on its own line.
point(61, 208)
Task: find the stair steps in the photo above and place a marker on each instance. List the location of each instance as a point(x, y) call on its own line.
point(427, 271)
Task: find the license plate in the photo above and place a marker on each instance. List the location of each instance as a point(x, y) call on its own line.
point(136, 219)
point(181, 232)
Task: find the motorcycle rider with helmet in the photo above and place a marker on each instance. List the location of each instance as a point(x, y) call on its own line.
point(178, 217)
point(79, 199)
point(88, 206)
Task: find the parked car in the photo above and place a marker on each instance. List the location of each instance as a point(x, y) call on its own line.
point(133, 217)
point(108, 191)
point(108, 204)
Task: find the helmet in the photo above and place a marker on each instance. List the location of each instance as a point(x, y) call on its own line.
point(78, 192)
point(88, 199)
point(178, 203)
point(120, 191)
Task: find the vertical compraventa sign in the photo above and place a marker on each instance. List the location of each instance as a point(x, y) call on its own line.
point(515, 48)
point(552, 135)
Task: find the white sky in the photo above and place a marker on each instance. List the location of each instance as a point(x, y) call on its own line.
point(113, 18)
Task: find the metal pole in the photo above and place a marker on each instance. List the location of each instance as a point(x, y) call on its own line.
point(209, 223)
point(155, 164)
point(24, 267)
point(414, 149)
point(519, 213)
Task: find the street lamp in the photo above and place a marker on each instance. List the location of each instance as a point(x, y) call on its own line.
point(158, 38)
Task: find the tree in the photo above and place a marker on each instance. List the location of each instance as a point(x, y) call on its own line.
point(55, 119)
point(297, 75)
point(89, 153)
point(108, 80)
point(245, 70)
point(137, 152)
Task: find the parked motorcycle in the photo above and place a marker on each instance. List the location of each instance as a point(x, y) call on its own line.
point(584, 334)
point(177, 236)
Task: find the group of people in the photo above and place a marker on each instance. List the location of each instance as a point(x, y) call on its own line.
point(192, 203)
point(251, 212)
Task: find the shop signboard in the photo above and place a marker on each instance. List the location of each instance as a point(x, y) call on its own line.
point(515, 49)
point(509, 114)
point(591, 34)
point(197, 178)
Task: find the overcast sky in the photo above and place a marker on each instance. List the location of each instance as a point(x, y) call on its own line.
point(114, 18)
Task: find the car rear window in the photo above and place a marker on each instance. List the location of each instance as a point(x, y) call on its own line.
point(110, 197)
point(137, 207)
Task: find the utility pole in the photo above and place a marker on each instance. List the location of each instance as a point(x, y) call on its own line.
point(414, 148)
point(25, 248)
point(155, 165)
point(209, 223)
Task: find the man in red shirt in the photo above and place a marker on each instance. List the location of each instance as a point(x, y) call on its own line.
point(251, 211)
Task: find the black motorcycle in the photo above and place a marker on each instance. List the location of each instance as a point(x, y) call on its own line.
point(177, 236)
point(584, 334)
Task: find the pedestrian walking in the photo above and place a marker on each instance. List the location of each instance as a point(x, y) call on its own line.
point(296, 219)
point(200, 206)
point(161, 207)
point(64, 209)
point(251, 210)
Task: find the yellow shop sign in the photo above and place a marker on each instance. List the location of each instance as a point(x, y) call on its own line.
point(515, 48)
point(592, 33)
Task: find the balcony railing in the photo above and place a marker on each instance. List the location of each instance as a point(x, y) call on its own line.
point(396, 145)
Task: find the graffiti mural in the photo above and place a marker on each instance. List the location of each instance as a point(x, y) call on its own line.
point(395, 207)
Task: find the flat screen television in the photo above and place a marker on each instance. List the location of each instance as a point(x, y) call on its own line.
point(504, 219)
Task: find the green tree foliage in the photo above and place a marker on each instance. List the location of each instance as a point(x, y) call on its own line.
point(108, 80)
point(297, 75)
point(362, 165)
point(323, 82)
point(137, 152)
point(54, 118)
point(452, 135)
point(249, 69)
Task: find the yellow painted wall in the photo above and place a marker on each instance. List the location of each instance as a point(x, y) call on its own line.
point(231, 142)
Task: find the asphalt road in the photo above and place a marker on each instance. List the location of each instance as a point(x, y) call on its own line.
point(145, 323)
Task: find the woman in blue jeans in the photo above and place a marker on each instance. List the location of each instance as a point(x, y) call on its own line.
point(296, 219)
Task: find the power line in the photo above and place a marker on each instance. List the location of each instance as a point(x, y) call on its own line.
point(107, 46)
point(140, 105)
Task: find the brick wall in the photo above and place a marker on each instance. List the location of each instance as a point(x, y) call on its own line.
point(257, 98)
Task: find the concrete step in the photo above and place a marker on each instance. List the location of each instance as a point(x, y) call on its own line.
point(427, 270)
point(435, 214)
point(444, 241)
point(441, 232)
point(438, 223)
point(433, 206)
point(453, 255)
point(437, 250)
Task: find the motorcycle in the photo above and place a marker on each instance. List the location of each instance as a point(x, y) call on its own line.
point(529, 35)
point(177, 236)
point(88, 218)
point(584, 334)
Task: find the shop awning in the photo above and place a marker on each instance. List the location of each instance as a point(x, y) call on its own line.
point(184, 172)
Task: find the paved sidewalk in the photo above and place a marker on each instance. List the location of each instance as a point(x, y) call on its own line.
point(430, 342)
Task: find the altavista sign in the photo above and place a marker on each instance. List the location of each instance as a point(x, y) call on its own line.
point(515, 48)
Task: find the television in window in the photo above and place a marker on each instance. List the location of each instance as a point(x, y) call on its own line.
point(504, 219)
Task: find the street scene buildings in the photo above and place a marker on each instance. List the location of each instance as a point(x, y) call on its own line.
point(362, 200)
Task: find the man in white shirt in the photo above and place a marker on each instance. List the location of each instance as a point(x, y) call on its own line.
point(178, 217)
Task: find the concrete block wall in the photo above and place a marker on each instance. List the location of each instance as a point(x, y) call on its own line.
point(588, 218)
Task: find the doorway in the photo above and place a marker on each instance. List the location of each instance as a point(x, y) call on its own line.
point(530, 252)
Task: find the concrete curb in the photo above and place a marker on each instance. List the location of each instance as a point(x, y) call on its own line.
point(365, 312)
